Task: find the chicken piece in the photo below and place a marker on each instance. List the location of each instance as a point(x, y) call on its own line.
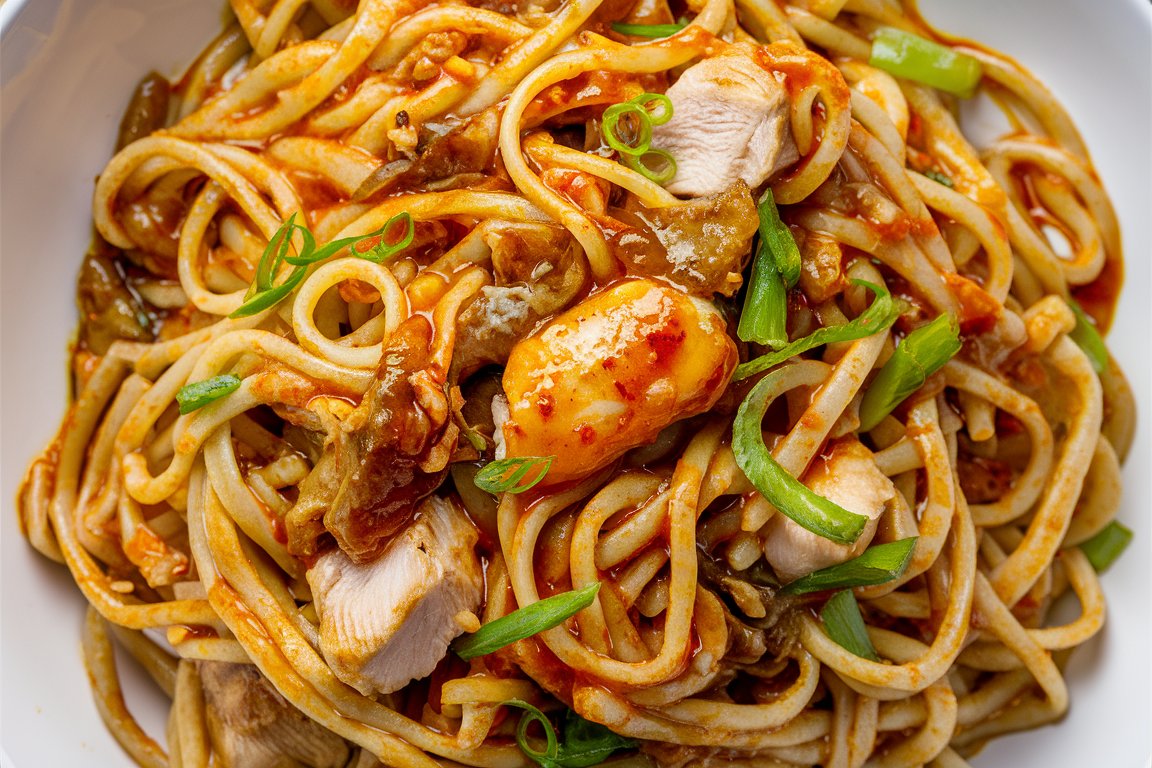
point(846, 475)
point(252, 726)
point(701, 244)
point(388, 622)
point(730, 122)
point(610, 373)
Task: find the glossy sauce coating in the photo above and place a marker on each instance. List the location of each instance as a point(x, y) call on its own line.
point(610, 373)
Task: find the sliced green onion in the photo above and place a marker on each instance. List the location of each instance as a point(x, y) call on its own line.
point(915, 58)
point(582, 744)
point(273, 256)
point(1088, 338)
point(845, 625)
point(920, 354)
point(307, 252)
point(525, 622)
point(633, 153)
point(378, 253)
point(647, 30)
point(878, 317)
point(531, 715)
point(270, 297)
point(764, 318)
point(787, 494)
point(662, 174)
point(940, 178)
point(876, 565)
point(505, 476)
point(611, 120)
point(779, 238)
point(264, 294)
point(1107, 545)
point(657, 117)
point(383, 250)
point(191, 397)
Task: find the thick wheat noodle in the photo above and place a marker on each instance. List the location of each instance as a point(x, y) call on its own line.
point(99, 658)
point(1031, 481)
point(202, 158)
point(407, 33)
point(1033, 93)
point(345, 167)
point(544, 151)
point(177, 522)
point(886, 681)
point(563, 67)
point(1101, 495)
point(189, 713)
point(383, 324)
point(224, 544)
point(980, 222)
point(878, 122)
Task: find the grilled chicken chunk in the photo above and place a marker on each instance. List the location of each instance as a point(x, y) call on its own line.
point(389, 621)
point(848, 476)
point(252, 726)
point(730, 122)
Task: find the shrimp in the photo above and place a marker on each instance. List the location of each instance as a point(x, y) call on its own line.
point(610, 373)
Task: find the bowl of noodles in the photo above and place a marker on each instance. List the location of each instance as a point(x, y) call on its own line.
point(575, 383)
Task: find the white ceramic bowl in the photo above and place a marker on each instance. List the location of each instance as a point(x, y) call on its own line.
point(68, 67)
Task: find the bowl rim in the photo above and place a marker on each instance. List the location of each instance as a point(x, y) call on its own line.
point(9, 10)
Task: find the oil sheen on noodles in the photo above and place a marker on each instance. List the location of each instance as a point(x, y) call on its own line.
point(292, 549)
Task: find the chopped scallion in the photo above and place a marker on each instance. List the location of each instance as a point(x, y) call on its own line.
point(582, 743)
point(940, 178)
point(507, 475)
point(663, 111)
point(273, 255)
point(525, 622)
point(642, 112)
point(876, 565)
point(878, 317)
point(913, 57)
point(787, 494)
point(270, 297)
point(662, 173)
point(196, 395)
point(264, 293)
point(641, 140)
point(779, 238)
point(383, 250)
point(1107, 545)
point(920, 354)
point(647, 30)
point(845, 625)
point(1088, 338)
point(764, 318)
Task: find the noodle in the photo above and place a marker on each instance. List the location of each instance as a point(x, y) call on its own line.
point(261, 417)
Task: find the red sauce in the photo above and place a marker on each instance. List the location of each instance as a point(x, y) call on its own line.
point(1099, 297)
point(979, 311)
point(666, 343)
